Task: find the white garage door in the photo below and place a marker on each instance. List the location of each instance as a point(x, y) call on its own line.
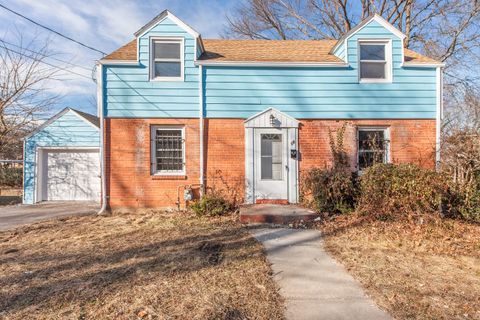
point(71, 175)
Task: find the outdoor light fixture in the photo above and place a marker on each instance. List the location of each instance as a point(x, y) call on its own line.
point(272, 120)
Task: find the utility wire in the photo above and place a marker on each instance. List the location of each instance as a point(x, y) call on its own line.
point(51, 30)
point(49, 64)
point(43, 55)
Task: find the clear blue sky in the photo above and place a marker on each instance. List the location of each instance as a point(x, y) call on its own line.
point(106, 25)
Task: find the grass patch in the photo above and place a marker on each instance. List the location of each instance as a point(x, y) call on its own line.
point(138, 266)
point(415, 271)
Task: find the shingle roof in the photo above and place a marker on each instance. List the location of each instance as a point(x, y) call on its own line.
point(126, 52)
point(264, 51)
point(269, 50)
point(89, 117)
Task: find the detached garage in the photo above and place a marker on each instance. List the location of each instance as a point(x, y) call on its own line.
point(62, 159)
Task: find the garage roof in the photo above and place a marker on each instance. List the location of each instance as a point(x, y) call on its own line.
point(87, 117)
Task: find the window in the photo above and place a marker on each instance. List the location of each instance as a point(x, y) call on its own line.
point(167, 59)
point(373, 144)
point(168, 150)
point(271, 156)
point(374, 62)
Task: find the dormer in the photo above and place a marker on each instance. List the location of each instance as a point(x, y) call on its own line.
point(166, 45)
point(171, 44)
point(376, 48)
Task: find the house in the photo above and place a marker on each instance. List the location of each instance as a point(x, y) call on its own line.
point(179, 112)
point(62, 159)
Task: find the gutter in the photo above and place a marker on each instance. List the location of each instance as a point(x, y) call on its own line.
point(200, 119)
point(270, 64)
point(102, 138)
point(107, 62)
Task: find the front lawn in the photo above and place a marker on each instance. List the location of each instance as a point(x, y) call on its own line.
point(137, 266)
point(428, 270)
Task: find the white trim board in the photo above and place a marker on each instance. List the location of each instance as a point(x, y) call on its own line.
point(270, 63)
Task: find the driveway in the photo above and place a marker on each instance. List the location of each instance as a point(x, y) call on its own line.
point(14, 216)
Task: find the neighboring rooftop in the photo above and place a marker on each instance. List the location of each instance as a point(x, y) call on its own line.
point(220, 50)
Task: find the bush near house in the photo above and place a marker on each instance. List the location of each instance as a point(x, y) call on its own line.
point(10, 177)
point(404, 190)
point(211, 205)
point(330, 190)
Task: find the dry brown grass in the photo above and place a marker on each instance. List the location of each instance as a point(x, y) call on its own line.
point(140, 266)
point(415, 271)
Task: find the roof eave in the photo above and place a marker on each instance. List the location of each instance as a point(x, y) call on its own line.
point(424, 64)
point(363, 23)
point(119, 62)
point(159, 18)
point(271, 63)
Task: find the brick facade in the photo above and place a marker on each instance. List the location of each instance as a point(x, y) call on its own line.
point(130, 183)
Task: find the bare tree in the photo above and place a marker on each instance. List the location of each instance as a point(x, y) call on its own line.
point(24, 95)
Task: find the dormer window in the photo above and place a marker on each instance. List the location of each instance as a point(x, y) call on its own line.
point(374, 61)
point(166, 59)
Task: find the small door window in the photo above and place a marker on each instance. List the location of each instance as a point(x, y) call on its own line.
point(271, 157)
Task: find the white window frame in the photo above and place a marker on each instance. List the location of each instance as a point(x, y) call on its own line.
point(388, 60)
point(153, 147)
point(386, 131)
point(152, 58)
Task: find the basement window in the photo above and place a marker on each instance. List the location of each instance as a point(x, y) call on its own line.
point(166, 59)
point(374, 61)
point(372, 147)
point(168, 150)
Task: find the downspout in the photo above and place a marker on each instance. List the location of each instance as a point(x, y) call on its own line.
point(439, 116)
point(23, 170)
point(102, 144)
point(200, 118)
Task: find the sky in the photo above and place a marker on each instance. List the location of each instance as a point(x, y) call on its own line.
point(105, 25)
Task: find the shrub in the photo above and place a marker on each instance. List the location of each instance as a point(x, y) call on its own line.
point(329, 190)
point(211, 205)
point(11, 177)
point(461, 163)
point(404, 190)
point(465, 199)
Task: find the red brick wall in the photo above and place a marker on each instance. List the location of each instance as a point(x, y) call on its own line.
point(130, 184)
point(410, 141)
point(225, 156)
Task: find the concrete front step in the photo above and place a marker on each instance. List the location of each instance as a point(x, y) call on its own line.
point(275, 214)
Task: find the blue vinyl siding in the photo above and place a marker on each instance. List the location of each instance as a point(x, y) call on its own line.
point(128, 92)
point(239, 92)
point(69, 130)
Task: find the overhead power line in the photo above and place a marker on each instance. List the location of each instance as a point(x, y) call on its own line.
point(43, 55)
point(48, 64)
point(51, 30)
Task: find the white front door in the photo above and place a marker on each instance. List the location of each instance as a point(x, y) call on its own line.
point(271, 164)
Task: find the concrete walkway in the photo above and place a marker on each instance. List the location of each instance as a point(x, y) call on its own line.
point(314, 285)
point(14, 216)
